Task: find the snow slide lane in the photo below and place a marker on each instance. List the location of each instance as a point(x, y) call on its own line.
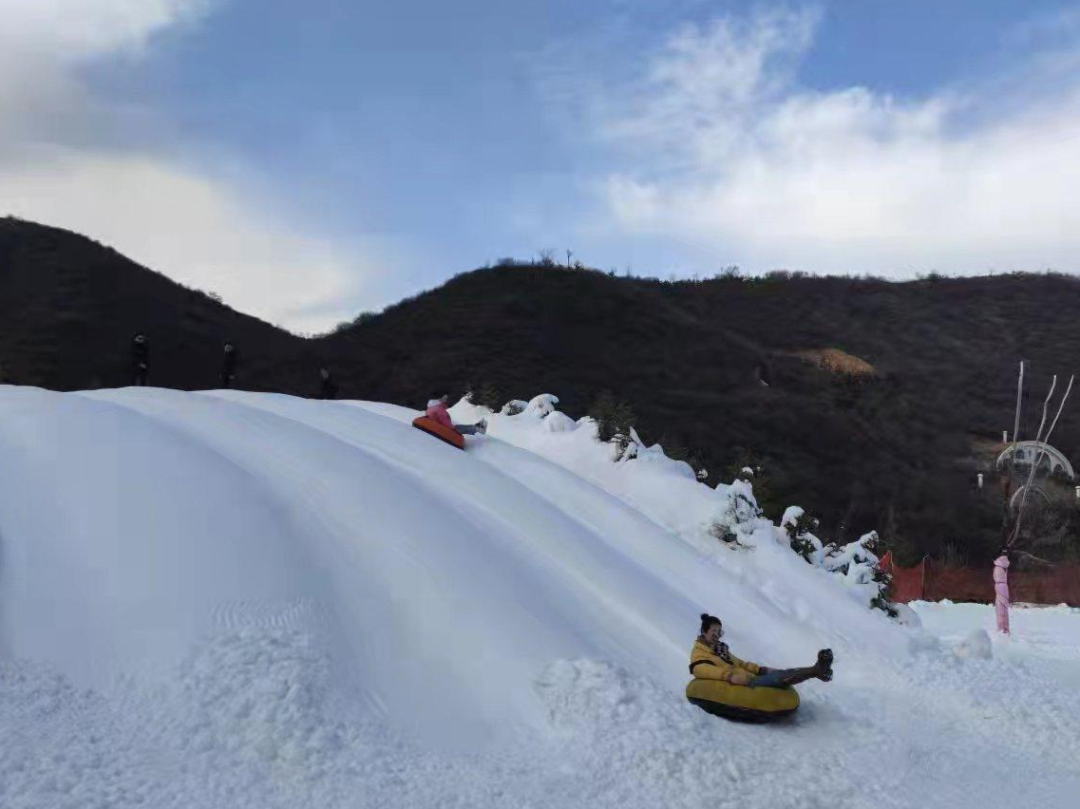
point(428, 550)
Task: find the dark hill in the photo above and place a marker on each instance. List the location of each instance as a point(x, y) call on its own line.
point(882, 399)
point(896, 449)
point(69, 308)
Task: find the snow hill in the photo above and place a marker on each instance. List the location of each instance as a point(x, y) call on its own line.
point(228, 599)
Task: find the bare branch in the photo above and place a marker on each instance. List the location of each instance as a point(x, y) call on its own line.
point(1041, 442)
point(1016, 424)
point(1034, 558)
point(1031, 472)
point(1053, 424)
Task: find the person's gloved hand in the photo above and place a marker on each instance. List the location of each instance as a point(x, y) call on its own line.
point(741, 677)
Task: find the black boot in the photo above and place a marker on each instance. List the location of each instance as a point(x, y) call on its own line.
point(824, 664)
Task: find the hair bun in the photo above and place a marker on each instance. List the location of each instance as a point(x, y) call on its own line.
point(705, 616)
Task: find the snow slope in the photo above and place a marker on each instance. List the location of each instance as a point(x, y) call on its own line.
point(234, 599)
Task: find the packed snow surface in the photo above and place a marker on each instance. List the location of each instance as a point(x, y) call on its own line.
point(229, 599)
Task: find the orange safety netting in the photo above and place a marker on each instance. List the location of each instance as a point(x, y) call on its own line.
point(932, 581)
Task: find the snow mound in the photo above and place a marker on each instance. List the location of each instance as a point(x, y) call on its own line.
point(254, 600)
point(975, 645)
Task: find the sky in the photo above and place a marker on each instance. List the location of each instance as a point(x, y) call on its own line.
point(309, 162)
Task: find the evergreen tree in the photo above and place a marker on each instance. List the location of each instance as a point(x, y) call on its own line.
point(614, 420)
point(799, 534)
point(486, 395)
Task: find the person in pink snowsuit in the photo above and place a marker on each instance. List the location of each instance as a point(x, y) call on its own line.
point(1001, 590)
point(436, 409)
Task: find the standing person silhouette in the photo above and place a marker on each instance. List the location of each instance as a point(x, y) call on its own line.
point(228, 365)
point(140, 359)
point(328, 387)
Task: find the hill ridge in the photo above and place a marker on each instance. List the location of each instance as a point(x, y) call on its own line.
point(896, 451)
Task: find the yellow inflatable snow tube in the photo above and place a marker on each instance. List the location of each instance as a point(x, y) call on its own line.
point(742, 702)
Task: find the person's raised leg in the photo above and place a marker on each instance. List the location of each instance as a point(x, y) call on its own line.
point(781, 678)
point(774, 678)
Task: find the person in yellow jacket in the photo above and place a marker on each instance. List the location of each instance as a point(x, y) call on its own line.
point(710, 659)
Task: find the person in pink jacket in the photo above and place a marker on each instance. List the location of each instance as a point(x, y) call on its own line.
point(1001, 590)
point(436, 409)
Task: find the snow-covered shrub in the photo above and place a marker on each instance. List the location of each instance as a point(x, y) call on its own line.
point(858, 563)
point(513, 407)
point(881, 601)
point(724, 533)
point(855, 561)
point(542, 405)
point(739, 515)
point(799, 526)
point(614, 421)
point(741, 507)
point(746, 464)
point(485, 396)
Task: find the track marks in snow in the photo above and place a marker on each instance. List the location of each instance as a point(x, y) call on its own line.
point(302, 613)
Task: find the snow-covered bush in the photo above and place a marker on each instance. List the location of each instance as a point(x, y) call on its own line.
point(799, 525)
point(747, 464)
point(513, 408)
point(724, 533)
point(485, 396)
point(859, 564)
point(739, 516)
point(614, 421)
point(541, 406)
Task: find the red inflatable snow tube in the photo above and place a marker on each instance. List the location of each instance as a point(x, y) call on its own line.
point(440, 431)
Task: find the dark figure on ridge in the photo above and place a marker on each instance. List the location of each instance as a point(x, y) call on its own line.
point(328, 387)
point(228, 365)
point(140, 359)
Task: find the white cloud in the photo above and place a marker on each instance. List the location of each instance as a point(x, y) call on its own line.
point(199, 225)
point(43, 43)
point(197, 231)
point(729, 151)
point(697, 98)
point(72, 30)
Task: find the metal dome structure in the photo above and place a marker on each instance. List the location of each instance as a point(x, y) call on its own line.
point(1050, 461)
